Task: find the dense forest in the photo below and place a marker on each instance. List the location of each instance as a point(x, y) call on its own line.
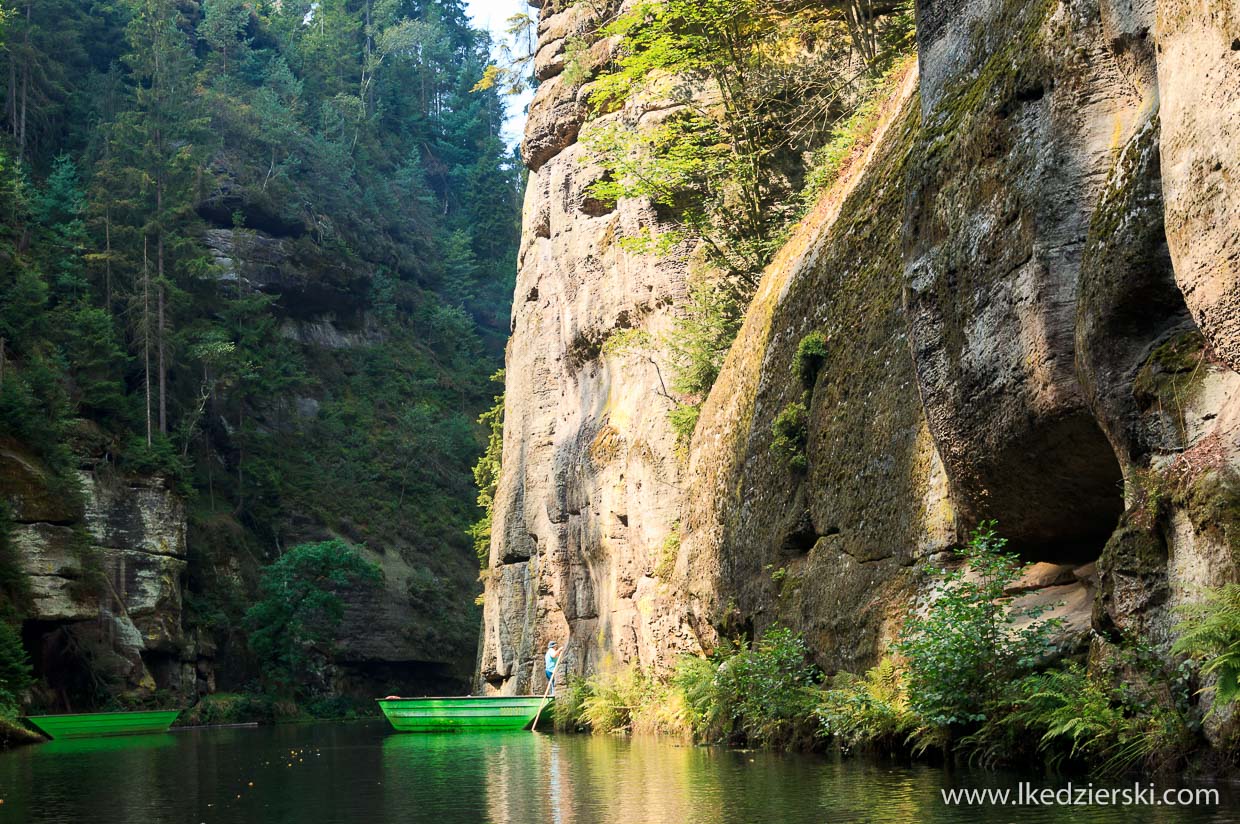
point(263, 251)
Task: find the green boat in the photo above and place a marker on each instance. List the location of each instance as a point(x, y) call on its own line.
point(469, 714)
point(91, 724)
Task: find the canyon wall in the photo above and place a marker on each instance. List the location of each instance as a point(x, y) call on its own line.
point(591, 483)
point(1027, 281)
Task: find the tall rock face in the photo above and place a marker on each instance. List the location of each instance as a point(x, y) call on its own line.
point(105, 563)
point(1067, 229)
point(1026, 281)
point(591, 485)
point(831, 551)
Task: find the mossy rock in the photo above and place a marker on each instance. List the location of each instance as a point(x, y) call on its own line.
point(1212, 502)
point(1171, 371)
point(1134, 548)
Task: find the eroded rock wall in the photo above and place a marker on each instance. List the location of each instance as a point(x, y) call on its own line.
point(830, 551)
point(105, 562)
point(591, 485)
point(1027, 284)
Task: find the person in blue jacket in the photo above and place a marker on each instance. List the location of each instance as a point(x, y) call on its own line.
point(549, 662)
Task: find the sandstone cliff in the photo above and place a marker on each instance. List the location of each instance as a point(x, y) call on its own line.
point(590, 490)
point(1028, 285)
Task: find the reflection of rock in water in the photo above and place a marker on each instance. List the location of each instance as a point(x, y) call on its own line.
point(553, 785)
point(518, 766)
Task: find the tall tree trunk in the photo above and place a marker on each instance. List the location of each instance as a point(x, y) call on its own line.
point(146, 334)
point(21, 136)
point(107, 258)
point(163, 342)
point(12, 98)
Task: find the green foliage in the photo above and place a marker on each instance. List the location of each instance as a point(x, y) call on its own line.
point(15, 596)
point(293, 625)
point(810, 356)
point(621, 700)
point(683, 418)
point(668, 554)
point(701, 339)
point(1209, 631)
point(967, 646)
point(486, 474)
point(790, 431)
point(867, 711)
point(230, 708)
point(1125, 712)
point(15, 677)
point(763, 696)
point(623, 341)
point(725, 174)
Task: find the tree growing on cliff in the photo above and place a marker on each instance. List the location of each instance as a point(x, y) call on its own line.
point(293, 627)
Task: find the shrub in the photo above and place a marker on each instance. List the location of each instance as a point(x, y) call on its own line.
point(229, 708)
point(15, 677)
point(967, 647)
point(14, 586)
point(569, 706)
point(791, 435)
point(702, 336)
point(810, 356)
point(684, 418)
point(764, 696)
point(622, 700)
point(293, 627)
point(1210, 631)
point(1106, 720)
point(486, 474)
point(867, 711)
point(668, 554)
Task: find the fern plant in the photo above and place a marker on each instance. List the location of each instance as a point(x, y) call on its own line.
point(1209, 631)
point(867, 710)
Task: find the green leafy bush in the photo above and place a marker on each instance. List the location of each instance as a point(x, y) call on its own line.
point(702, 336)
point(966, 648)
point(486, 473)
point(791, 431)
point(293, 627)
point(229, 708)
point(1209, 631)
point(867, 711)
point(810, 356)
point(14, 585)
point(763, 696)
point(684, 418)
point(1121, 715)
point(624, 699)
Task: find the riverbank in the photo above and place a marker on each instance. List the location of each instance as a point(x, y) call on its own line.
point(226, 708)
point(971, 678)
point(14, 734)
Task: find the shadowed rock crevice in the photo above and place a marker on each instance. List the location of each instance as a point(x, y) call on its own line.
point(1057, 493)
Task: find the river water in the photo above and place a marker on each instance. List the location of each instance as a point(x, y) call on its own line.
point(361, 772)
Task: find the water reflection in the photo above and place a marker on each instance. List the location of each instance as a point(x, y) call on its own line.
point(362, 772)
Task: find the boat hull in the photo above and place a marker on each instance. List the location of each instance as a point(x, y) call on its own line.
point(93, 724)
point(469, 714)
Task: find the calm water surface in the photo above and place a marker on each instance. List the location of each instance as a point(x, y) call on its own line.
point(363, 773)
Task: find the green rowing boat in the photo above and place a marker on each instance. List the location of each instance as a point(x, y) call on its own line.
point(469, 714)
point(91, 724)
